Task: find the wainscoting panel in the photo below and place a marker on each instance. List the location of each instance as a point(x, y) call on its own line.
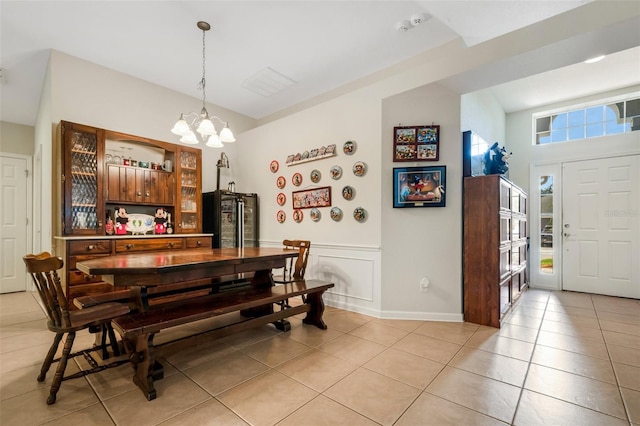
point(352, 276)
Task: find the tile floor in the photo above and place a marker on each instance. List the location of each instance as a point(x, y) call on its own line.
point(561, 359)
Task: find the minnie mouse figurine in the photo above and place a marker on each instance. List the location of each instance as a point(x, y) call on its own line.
point(160, 221)
point(121, 221)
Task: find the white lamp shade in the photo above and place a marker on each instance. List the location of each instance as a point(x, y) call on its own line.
point(214, 142)
point(206, 128)
point(189, 139)
point(226, 135)
point(181, 128)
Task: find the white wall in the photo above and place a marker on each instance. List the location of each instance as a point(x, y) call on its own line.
point(346, 252)
point(423, 242)
point(481, 113)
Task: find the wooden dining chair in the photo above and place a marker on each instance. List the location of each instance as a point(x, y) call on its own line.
point(43, 268)
point(294, 271)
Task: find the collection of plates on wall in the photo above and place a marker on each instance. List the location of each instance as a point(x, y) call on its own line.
point(335, 172)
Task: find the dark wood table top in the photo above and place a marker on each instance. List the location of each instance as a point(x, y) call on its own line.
point(176, 262)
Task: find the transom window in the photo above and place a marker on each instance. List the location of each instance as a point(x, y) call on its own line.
point(575, 123)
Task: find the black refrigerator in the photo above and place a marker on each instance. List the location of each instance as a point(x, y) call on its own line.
point(231, 217)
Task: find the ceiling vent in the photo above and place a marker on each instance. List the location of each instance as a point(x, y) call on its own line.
point(267, 82)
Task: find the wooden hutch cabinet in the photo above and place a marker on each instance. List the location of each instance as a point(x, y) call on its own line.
point(99, 174)
point(495, 248)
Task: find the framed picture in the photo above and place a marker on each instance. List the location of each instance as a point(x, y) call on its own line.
point(416, 143)
point(310, 198)
point(419, 186)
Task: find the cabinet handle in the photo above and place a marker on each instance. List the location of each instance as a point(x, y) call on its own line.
point(91, 247)
point(129, 246)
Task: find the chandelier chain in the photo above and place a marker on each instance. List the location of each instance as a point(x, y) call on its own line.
point(203, 81)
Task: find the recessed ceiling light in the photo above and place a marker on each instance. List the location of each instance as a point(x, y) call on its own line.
point(594, 60)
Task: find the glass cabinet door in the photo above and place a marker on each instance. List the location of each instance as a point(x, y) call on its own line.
point(188, 215)
point(83, 207)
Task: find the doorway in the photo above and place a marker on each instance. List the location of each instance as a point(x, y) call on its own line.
point(15, 217)
point(600, 229)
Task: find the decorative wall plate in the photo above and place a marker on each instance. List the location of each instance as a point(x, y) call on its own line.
point(281, 199)
point(305, 155)
point(274, 166)
point(360, 214)
point(298, 215)
point(336, 213)
point(315, 214)
point(336, 172)
point(281, 216)
point(297, 179)
point(348, 192)
point(281, 182)
point(315, 176)
point(360, 168)
point(349, 147)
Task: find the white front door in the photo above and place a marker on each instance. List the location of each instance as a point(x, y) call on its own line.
point(14, 233)
point(601, 226)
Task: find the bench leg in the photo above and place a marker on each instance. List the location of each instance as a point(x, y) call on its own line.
point(147, 369)
point(314, 316)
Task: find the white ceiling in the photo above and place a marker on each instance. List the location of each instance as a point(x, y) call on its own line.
point(321, 45)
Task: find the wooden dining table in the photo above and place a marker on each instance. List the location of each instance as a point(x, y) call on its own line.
point(140, 271)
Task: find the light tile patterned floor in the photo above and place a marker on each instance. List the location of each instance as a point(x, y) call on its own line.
point(561, 359)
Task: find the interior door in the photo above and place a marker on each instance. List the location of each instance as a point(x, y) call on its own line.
point(13, 224)
point(601, 226)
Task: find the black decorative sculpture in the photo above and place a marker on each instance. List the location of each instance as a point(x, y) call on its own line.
point(495, 160)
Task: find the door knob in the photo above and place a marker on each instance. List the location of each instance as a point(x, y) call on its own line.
point(566, 234)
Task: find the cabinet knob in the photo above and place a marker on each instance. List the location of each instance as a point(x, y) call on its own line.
point(147, 194)
point(89, 277)
point(91, 247)
point(171, 245)
point(139, 194)
point(129, 246)
point(198, 243)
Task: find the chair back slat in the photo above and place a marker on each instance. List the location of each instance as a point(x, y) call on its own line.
point(43, 269)
point(298, 269)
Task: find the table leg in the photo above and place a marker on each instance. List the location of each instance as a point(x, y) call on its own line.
point(139, 298)
point(314, 316)
point(147, 369)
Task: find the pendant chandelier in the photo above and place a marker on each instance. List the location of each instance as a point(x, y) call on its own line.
point(195, 127)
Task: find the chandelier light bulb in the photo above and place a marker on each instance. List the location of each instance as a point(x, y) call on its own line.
point(181, 128)
point(189, 139)
point(206, 128)
point(226, 135)
point(214, 142)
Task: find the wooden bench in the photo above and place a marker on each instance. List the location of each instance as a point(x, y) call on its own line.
point(255, 303)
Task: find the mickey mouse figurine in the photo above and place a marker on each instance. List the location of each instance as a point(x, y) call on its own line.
point(121, 221)
point(160, 221)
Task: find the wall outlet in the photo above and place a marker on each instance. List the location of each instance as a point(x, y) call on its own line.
point(424, 284)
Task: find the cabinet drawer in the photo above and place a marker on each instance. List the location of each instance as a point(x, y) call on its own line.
point(90, 246)
point(198, 242)
point(150, 244)
point(77, 277)
point(72, 260)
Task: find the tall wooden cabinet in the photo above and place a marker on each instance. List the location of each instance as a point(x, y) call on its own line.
point(94, 182)
point(495, 248)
